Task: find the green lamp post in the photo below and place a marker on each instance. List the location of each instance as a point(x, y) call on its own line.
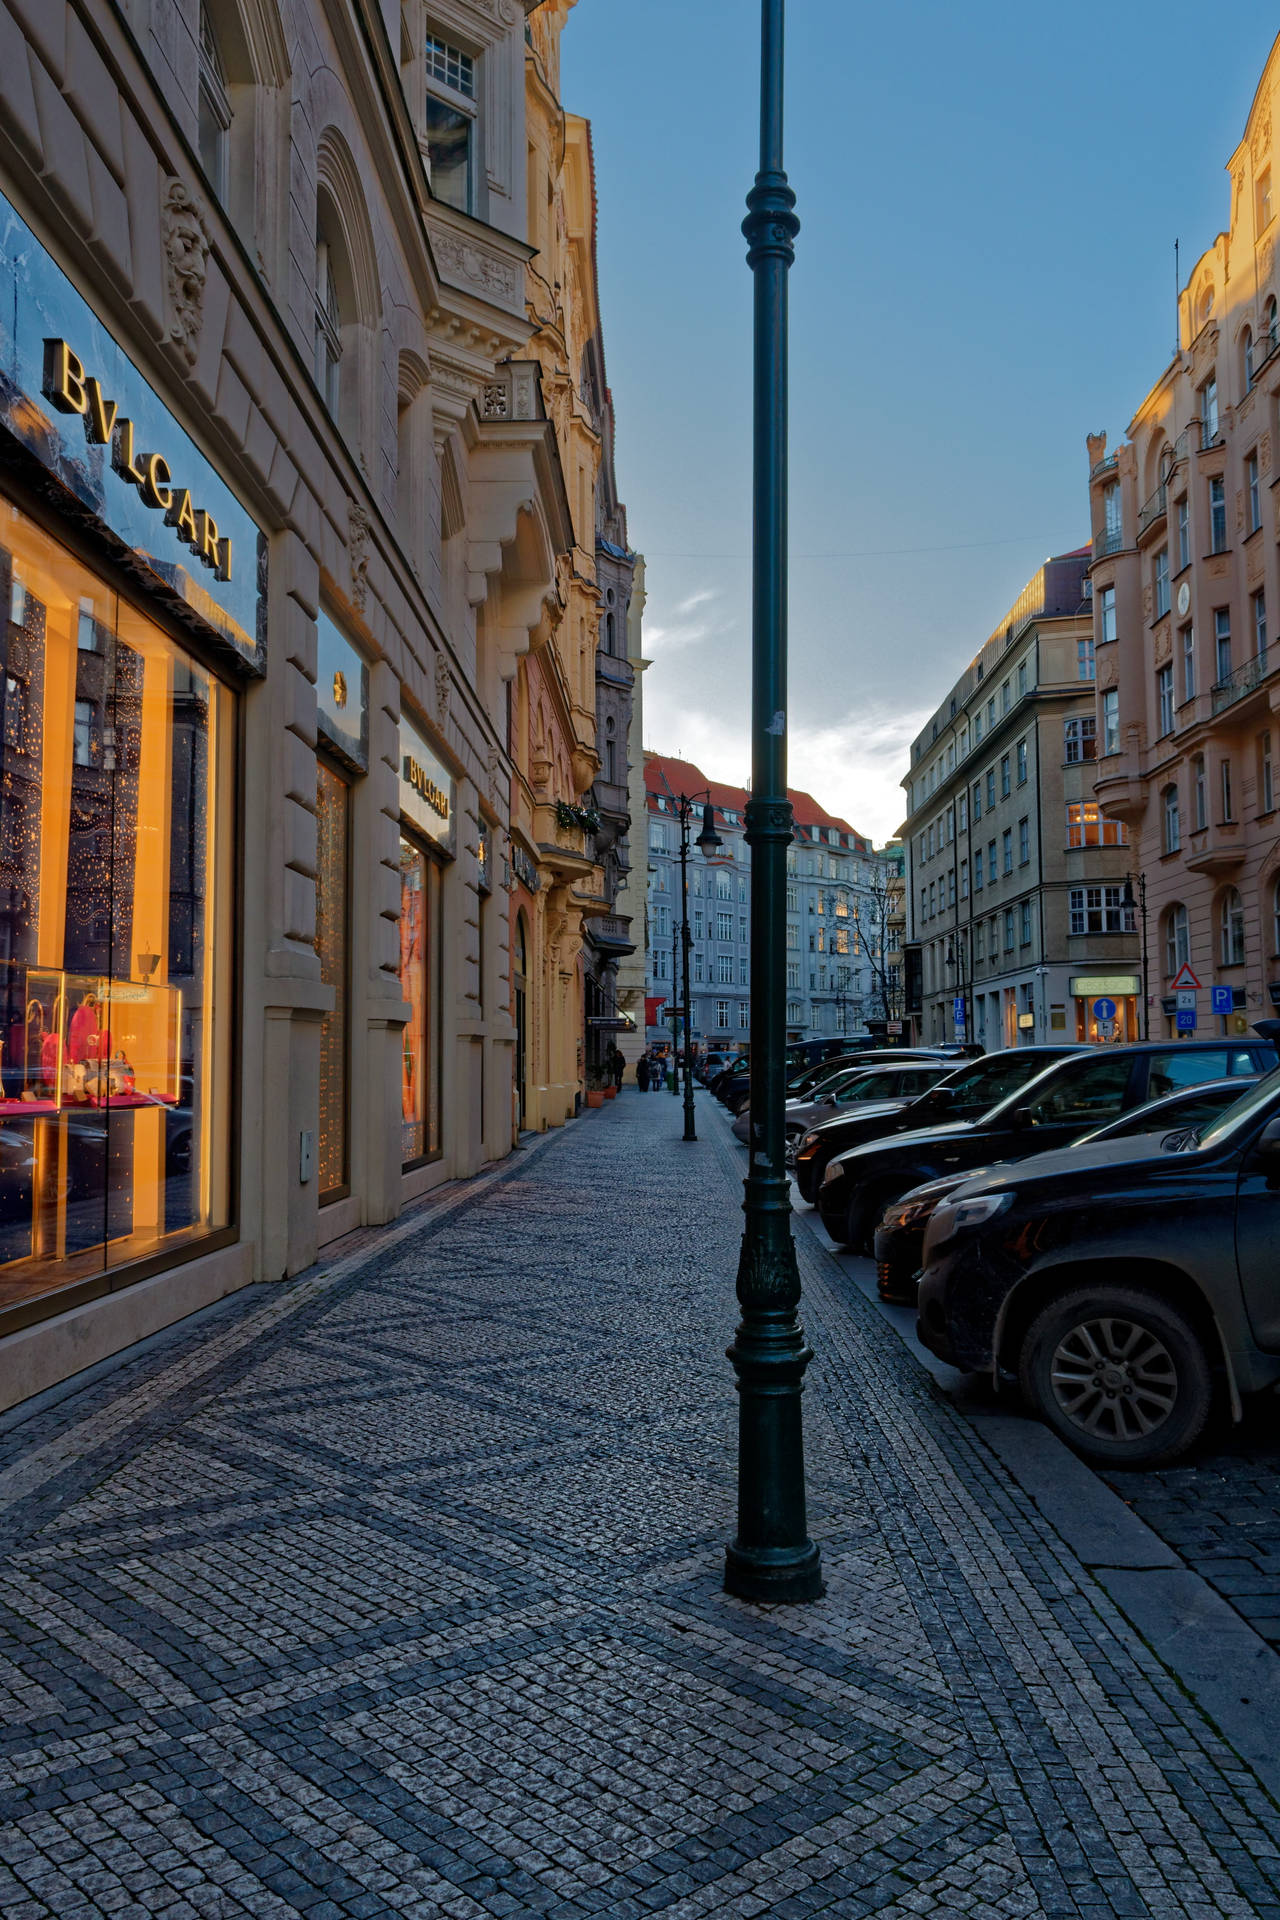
point(772, 1557)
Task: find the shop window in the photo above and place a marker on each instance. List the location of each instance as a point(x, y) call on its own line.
point(420, 986)
point(333, 918)
point(116, 779)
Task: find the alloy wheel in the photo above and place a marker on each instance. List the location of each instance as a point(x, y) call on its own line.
point(1113, 1378)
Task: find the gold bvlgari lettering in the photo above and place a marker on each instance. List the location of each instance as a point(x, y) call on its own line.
point(422, 783)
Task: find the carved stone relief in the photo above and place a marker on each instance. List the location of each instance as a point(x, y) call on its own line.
point(358, 553)
point(186, 252)
point(475, 266)
point(1163, 644)
point(442, 689)
point(1148, 603)
point(1264, 453)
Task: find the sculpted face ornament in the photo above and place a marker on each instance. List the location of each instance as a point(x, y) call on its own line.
point(186, 246)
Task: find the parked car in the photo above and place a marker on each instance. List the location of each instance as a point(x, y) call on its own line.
point(852, 1088)
point(1051, 1111)
point(1124, 1283)
point(899, 1238)
point(736, 1093)
point(967, 1092)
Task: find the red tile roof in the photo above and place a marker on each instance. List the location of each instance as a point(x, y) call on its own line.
point(664, 774)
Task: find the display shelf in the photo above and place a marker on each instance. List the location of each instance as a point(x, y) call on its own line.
point(27, 1109)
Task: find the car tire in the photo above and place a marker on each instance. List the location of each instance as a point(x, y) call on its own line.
point(863, 1217)
point(1119, 1374)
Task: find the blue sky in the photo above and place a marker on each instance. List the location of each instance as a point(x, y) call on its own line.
point(989, 199)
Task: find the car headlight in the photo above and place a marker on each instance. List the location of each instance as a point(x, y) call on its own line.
point(832, 1171)
point(908, 1213)
point(952, 1216)
point(808, 1140)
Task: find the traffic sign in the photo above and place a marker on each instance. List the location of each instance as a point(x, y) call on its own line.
point(1184, 977)
point(1186, 997)
point(893, 1026)
point(1223, 1000)
point(958, 1009)
point(1104, 1009)
point(1186, 1019)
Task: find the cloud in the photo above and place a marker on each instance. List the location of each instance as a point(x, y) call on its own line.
point(698, 599)
point(685, 630)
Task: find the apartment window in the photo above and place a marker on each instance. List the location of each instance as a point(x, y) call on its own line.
point(793, 937)
point(724, 889)
point(1084, 659)
point(742, 969)
point(697, 968)
point(1253, 491)
point(1022, 678)
point(1188, 663)
point(991, 713)
point(1088, 826)
point(792, 900)
point(1107, 612)
point(964, 879)
point(977, 800)
point(1248, 359)
point(450, 123)
point(1024, 841)
point(1099, 910)
point(951, 825)
point(929, 842)
point(1022, 763)
point(933, 899)
point(991, 861)
point(1111, 721)
point(722, 1015)
point(991, 789)
point(1217, 515)
point(795, 1014)
point(1209, 411)
point(1006, 697)
point(1164, 698)
point(1006, 850)
point(980, 939)
point(724, 969)
point(1269, 324)
point(1008, 930)
point(1161, 581)
point(742, 929)
point(1184, 533)
point(1177, 940)
point(977, 728)
point(1222, 642)
point(793, 974)
point(1172, 820)
point(963, 804)
point(1024, 930)
point(1232, 929)
point(724, 926)
point(214, 112)
point(978, 879)
point(1004, 776)
point(1079, 740)
point(1260, 624)
point(924, 903)
point(1266, 777)
point(1199, 795)
point(1111, 516)
point(951, 887)
point(1228, 810)
point(663, 918)
point(1263, 208)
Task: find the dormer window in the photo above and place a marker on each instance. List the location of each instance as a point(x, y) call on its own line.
point(450, 122)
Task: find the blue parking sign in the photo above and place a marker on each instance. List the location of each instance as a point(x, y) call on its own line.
point(1223, 1000)
point(1186, 1019)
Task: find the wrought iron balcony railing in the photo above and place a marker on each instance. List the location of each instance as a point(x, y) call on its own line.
point(1246, 679)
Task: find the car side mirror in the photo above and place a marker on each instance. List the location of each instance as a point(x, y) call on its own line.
point(944, 1095)
point(1022, 1117)
point(1268, 1147)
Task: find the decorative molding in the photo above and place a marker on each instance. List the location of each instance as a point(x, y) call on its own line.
point(358, 553)
point(186, 252)
point(481, 268)
point(443, 688)
point(1264, 453)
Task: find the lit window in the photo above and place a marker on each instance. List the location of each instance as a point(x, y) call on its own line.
point(1088, 826)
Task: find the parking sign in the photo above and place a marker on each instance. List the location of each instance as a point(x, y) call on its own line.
point(1223, 1000)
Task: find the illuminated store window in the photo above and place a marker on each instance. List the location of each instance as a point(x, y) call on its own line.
point(419, 983)
point(116, 776)
point(333, 893)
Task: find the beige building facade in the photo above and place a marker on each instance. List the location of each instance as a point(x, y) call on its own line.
point(294, 515)
point(1186, 579)
point(1014, 892)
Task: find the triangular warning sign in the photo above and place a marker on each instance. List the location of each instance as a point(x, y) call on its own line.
point(1184, 978)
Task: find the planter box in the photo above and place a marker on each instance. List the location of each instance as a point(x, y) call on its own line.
point(610, 1093)
point(595, 1099)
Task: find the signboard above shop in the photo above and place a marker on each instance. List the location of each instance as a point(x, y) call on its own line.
point(427, 789)
point(104, 447)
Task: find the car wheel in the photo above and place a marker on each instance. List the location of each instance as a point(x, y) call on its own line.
point(863, 1218)
point(1121, 1375)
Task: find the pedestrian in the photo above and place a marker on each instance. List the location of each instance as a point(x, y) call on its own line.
point(617, 1065)
point(642, 1073)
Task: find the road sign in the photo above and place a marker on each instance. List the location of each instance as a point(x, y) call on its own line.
point(958, 1009)
point(1185, 997)
point(1223, 1000)
point(1184, 977)
point(1186, 1019)
point(1104, 1009)
point(893, 1026)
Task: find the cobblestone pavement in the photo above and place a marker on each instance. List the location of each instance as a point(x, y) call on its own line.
point(397, 1591)
point(1221, 1513)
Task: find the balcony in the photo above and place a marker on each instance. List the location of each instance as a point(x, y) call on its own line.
point(614, 672)
point(1246, 679)
point(611, 933)
point(1107, 464)
point(1154, 512)
point(1109, 540)
point(1216, 849)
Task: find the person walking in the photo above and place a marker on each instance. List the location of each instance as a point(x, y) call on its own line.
point(617, 1065)
point(642, 1073)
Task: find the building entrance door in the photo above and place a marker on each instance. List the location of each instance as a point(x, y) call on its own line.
point(521, 1020)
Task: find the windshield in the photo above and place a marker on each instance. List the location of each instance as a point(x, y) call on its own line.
point(1240, 1117)
point(987, 1081)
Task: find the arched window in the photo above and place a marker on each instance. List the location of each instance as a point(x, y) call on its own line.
point(610, 751)
point(608, 633)
point(214, 118)
point(328, 310)
point(1247, 345)
point(1200, 804)
point(347, 301)
point(1172, 820)
point(1232, 928)
point(1177, 939)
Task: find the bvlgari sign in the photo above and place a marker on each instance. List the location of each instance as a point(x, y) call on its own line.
point(87, 430)
point(426, 788)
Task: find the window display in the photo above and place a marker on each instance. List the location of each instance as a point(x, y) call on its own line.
point(332, 917)
point(419, 964)
point(115, 770)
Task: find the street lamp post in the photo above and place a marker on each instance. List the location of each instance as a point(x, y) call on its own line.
point(772, 1557)
point(955, 958)
point(709, 841)
point(1128, 901)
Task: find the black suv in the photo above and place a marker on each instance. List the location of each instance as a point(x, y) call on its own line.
point(1119, 1279)
point(964, 1095)
point(1060, 1104)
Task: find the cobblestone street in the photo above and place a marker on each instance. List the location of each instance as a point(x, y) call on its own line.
point(397, 1590)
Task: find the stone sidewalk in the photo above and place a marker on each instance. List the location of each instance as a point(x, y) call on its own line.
point(396, 1590)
